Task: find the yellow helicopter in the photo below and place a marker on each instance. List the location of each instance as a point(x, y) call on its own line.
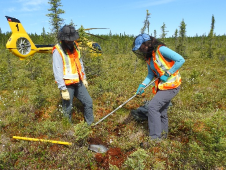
point(21, 45)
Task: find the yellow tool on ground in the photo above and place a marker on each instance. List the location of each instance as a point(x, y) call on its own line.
point(42, 140)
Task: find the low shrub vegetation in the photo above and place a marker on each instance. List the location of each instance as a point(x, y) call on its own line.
point(30, 106)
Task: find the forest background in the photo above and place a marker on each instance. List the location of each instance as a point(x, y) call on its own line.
point(30, 106)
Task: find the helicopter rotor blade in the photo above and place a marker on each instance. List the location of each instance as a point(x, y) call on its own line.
point(96, 36)
point(94, 28)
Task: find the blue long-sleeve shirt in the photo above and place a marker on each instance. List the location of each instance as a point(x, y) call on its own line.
point(58, 69)
point(169, 55)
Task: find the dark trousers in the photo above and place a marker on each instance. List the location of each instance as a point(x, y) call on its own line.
point(79, 91)
point(157, 112)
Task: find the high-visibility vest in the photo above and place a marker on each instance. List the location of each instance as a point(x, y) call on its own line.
point(162, 65)
point(72, 68)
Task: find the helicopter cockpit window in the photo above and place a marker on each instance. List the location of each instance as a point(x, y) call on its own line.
point(96, 46)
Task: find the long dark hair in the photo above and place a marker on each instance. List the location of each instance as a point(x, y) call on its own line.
point(153, 43)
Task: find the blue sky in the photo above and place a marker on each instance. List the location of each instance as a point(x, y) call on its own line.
point(120, 16)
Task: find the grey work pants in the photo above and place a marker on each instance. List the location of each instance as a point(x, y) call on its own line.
point(157, 112)
point(79, 91)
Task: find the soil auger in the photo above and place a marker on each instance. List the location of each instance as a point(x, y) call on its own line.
point(122, 104)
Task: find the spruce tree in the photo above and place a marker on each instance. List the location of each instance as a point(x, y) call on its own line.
point(43, 32)
point(181, 47)
point(163, 35)
point(146, 23)
point(211, 39)
point(155, 33)
point(176, 38)
point(55, 20)
point(72, 23)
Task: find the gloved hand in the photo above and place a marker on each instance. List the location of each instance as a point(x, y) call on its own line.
point(165, 77)
point(65, 94)
point(140, 89)
point(85, 83)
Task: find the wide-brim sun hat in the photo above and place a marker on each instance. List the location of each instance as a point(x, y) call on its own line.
point(140, 39)
point(68, 33)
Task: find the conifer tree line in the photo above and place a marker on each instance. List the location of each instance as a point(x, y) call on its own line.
point(122, 42)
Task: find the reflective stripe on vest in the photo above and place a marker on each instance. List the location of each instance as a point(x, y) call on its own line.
point(71, 65)
point(162, 65)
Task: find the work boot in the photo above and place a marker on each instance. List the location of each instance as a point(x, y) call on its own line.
point(137, 116)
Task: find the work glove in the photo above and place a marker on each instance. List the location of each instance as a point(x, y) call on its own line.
point(140, 89)
point(65, 94)
point(85, 83)
point(165, 77)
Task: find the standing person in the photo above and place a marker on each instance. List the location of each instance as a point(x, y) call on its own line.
point(163, 63)
point(69, 73)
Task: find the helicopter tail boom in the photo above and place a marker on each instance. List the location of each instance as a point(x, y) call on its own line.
point(20, 43)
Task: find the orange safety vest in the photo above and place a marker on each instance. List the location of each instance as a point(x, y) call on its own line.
point(71, 65)
point(162, 65)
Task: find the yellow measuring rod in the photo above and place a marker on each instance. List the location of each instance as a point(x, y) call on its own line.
point(42, 140)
